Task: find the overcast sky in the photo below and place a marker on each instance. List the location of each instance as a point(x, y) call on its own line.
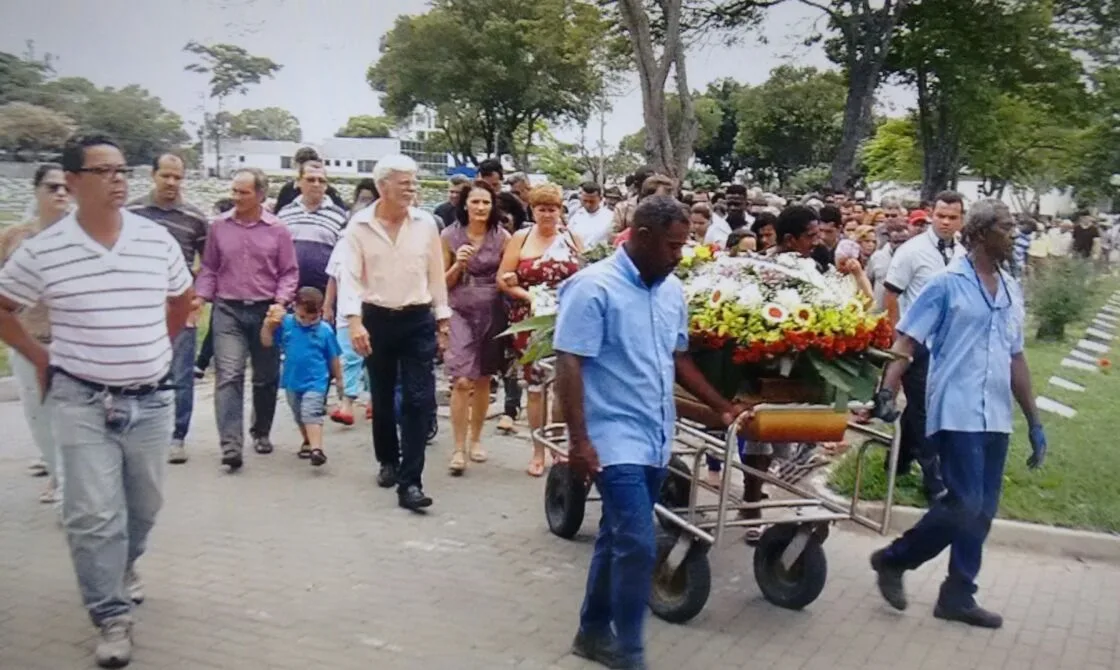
point(324, 52)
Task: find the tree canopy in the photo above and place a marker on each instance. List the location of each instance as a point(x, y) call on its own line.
point(504, 63)
point(366, 125)
point(50, 109)
point(270, 123)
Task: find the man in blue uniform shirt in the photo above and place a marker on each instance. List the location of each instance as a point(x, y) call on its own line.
point(972, 315)
point(622, 342)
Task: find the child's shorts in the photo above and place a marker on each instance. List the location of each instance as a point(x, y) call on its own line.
point(308, 407)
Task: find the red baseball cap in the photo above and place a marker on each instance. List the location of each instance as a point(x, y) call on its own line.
point(917, 216)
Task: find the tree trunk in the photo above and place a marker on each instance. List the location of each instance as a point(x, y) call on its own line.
point(690, 125)
point(862, 82)
point(867, 37)
point(652, 75)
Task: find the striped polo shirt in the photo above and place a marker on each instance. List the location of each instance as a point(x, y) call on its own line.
point(186, 223)
point(108, 307)
point(315, 234)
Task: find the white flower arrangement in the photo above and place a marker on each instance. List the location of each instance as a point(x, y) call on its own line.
point(542, 301)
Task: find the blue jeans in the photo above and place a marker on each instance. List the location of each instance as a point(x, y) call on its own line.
point(972, 468)
point(182, 376)
point(618, 581)
point(113, 487)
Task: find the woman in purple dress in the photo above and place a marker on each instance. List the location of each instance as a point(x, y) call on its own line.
point(472, 250)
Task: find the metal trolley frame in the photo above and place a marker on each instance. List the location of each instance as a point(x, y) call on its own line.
point(789, 561)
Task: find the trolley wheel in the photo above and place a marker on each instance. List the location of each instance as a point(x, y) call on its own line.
point(676, 489)
point(679, 596)
point(564, 500)
point(801, 584)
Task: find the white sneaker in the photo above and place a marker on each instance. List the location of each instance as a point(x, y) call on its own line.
point(114, 646)
point(178, 454)
point(134, 585)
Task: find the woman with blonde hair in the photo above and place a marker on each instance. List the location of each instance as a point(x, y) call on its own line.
point(544, 254)
point(52, 202)
point(868, 242)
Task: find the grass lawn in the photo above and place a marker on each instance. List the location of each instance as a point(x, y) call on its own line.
point(1079, 485)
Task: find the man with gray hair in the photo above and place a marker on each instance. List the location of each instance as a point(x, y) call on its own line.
point(248, 266)
point(972, 315)
point(445, 212)
point(398, 315)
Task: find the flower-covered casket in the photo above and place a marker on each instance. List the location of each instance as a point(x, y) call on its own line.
point(771, 331)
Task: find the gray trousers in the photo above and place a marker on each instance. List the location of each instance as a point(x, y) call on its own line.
point(237, 338)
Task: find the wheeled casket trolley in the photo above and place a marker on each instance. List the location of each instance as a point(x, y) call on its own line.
point(789, 560)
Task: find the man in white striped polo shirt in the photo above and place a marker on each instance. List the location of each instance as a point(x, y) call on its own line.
point(316, 225)
point(118, 291)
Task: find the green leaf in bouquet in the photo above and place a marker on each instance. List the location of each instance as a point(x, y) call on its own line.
point(547, 321)
point(539, 347)
point(849, 377)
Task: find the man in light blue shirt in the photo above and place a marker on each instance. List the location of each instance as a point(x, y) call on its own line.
point(622, 341)
point(973, 316)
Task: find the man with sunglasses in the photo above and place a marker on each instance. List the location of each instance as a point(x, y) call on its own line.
point(188, 225)
point(316, 225)
point(118, 293)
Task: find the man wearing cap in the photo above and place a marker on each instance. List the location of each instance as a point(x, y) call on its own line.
point(917, 222)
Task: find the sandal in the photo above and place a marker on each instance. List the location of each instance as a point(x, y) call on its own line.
point(458, 463)
point(317, 457)
point(535, 469)
point(305, 450)
point(345, 418)
point(478, 454)
point(37, 469)
point(50, 496)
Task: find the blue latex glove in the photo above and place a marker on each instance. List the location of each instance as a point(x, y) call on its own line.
point(884, 406)
point(1038, 447)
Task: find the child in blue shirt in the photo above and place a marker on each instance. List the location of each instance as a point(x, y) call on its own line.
point(311, 357)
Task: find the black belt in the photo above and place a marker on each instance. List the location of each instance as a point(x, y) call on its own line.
point(406, 309)
point(125, 391)
point(247, 303)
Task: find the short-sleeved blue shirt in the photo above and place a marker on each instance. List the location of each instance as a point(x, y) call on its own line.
point(308, 352)
point(972, 337)
point(627, 334)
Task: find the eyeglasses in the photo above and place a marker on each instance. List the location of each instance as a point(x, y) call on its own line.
point(108, 171)
point(55, 188)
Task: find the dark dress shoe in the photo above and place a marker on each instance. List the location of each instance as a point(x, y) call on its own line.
point(889, 580)
point(600, 649)
point(413, 498)
point(232, 460)
point(973, 615)
point(387, 477)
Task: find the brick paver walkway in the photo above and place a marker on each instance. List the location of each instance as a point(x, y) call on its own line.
point(284, 567)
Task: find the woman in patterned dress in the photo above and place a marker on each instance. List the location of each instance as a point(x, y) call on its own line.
point(472, 250)
point(543, 254)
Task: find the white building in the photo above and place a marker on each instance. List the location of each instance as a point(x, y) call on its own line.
point(1054, 203)
point(352, 156)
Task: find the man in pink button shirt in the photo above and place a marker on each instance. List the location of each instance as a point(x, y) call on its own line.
point(249, 264)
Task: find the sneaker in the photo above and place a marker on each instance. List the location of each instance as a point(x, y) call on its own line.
point(134, 585)
point(199, 373)
point(178, 454)
point(114, 645)
point(889, 580)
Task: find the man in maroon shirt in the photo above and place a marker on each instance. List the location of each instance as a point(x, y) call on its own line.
point(249, 265)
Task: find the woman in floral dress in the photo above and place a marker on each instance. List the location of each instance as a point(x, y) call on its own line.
point(544, 254)
point(472, 250)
